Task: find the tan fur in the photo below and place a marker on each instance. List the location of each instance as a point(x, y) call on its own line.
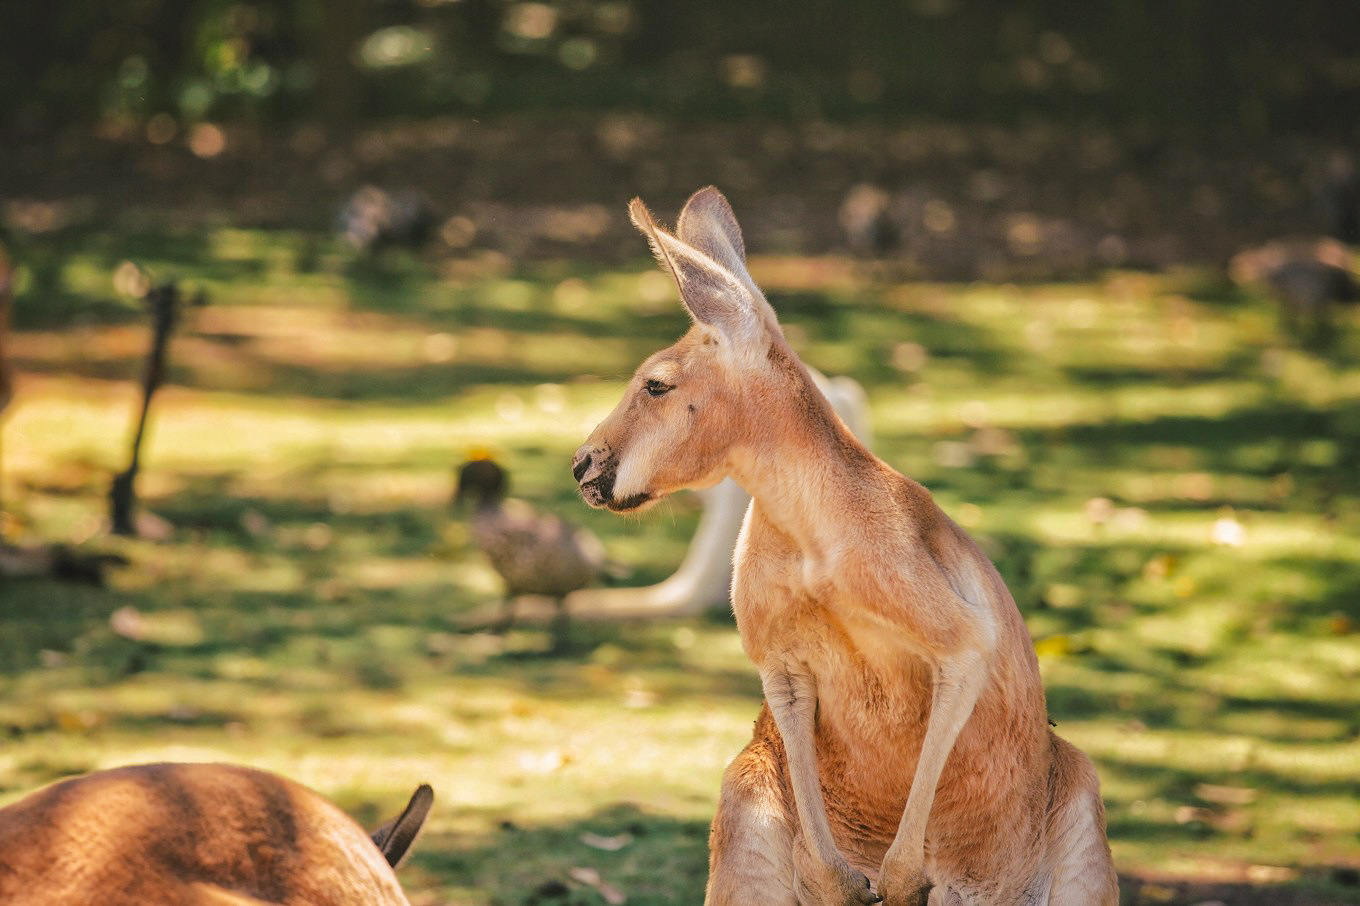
point(195, 834)
point(904, 737)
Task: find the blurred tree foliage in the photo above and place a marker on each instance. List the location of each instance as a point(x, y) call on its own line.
point(1253, 64)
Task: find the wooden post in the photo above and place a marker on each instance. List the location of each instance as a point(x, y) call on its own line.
point(164, 303)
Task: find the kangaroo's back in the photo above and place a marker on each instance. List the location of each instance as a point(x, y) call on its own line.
point(187, 833)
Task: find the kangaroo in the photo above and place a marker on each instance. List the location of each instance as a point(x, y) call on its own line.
point(197, 835)
point(903, 750)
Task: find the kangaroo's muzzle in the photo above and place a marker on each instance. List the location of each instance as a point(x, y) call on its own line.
point(595, 469)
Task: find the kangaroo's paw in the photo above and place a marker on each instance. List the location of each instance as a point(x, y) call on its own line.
point(914, 895)
point(838, 884)
point(902, 883)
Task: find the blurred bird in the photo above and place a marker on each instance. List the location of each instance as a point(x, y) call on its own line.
point(375, 218)
point(1307, 276)
point(1339, 196)
point(867, 221)
point(535, 553)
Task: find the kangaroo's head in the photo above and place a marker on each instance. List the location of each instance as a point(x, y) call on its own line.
point(720, 388)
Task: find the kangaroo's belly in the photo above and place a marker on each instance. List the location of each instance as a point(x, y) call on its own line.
point(874, 686)
point(871, 718)
point(873, 707)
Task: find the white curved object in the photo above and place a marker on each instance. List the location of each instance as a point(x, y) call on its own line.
point(704, 578)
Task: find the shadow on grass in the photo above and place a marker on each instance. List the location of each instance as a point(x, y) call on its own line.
point(664, 861)
point(1262, 439)
point(1181, 786)
point(439, 309)
point(1316, 886)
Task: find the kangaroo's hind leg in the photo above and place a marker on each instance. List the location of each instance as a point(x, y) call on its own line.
point(752, 842)
point(1082, 869)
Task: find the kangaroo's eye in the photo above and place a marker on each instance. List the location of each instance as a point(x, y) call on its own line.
point(657, 388)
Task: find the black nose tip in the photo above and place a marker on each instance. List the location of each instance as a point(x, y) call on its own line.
point(578, 468)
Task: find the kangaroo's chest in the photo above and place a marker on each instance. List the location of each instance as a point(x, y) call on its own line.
point(870, 676)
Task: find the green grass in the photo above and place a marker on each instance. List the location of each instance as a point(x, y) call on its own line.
point(310, 613)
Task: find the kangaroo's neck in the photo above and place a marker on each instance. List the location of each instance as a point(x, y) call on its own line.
point(805, 467)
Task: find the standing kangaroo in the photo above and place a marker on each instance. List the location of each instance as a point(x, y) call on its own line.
point(904, 735)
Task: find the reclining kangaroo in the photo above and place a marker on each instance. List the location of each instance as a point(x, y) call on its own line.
point(197, 835)
point(904, 736)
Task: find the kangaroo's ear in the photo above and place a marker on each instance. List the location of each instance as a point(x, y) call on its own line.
point(714, 295)
point(395, 837)
point(707, 223)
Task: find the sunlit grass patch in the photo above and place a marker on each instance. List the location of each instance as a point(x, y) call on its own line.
point(1168, 486)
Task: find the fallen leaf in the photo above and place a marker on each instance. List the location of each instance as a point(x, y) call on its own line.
point(591, 878)
point(1187, 814)
point(1053, 646)
point(151, 527)
point(127, 622)
point(77, 721)
point(608, 844)
point(583, 875)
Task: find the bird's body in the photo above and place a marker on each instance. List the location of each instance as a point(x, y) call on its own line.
point(1339, 195)
point(535, 553)
point(374, 219)
point(1308, 276)
point(867, 221)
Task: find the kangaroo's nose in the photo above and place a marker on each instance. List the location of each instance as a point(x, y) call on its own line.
point(580, 463)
